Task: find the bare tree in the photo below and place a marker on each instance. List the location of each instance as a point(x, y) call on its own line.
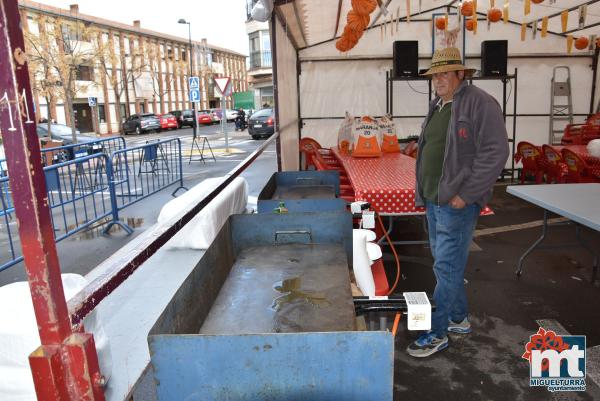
point(118, 71)
point(159, 80)
point(59, 51)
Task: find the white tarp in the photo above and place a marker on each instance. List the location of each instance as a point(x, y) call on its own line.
point(19, 337)
point(200, 232)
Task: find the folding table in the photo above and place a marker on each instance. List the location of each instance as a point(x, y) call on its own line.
point(577, 202)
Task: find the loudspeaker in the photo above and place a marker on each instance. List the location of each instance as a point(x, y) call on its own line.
point(406, 58)
point(494, 54)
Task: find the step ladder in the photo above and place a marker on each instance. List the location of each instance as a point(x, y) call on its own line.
point(561, 104)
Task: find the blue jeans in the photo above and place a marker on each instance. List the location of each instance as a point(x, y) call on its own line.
point(450, 234)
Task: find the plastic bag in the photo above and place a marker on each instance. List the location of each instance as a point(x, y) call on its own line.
point(262, 10)
point(365, 137)
point(389, 137)
point(345, 134)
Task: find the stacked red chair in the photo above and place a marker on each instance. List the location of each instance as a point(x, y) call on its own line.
point(578, 171)
point(346, 190)
point(307, 146)
point(529, 155)
point(553, 165)
point(582, 134)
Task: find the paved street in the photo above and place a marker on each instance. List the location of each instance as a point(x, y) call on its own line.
point(83, 251)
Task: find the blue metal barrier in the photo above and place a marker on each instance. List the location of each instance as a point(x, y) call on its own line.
point(69, 152)
point(142, 171)
point(78, 196)
point(93, 187)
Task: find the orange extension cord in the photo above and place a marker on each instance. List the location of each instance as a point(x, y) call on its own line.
point(387, 237)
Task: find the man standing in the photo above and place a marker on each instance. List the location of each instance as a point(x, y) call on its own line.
point(463, 148)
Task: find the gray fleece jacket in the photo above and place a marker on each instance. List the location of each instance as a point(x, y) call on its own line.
point(476, 147)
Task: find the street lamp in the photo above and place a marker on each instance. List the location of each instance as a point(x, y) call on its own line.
point(182, 21)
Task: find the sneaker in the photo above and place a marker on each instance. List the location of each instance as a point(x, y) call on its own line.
point(427, 344)
point(463, 327)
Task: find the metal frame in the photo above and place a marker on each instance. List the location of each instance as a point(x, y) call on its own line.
point(538, 242)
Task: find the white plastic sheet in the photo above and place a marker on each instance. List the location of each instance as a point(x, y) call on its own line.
point(19, 337)
point(204, 227)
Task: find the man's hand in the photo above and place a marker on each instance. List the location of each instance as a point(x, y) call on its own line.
point(457, 202)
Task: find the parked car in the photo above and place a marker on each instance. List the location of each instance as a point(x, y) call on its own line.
point(261, 124)
point(185, 118)
point(139, 123)
point(231, 114)
point(214, 115)
point(204, 117)
point(217, 114)
point(168, 121)
point(61, 132)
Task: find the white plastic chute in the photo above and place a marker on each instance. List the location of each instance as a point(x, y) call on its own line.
point(361, 263)
point(19, 337)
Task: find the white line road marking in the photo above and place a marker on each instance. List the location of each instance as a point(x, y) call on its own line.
point(516, 227)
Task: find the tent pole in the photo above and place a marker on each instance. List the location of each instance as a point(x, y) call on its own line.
point(594, 77)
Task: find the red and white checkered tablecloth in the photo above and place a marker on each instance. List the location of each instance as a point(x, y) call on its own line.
point(386, 182)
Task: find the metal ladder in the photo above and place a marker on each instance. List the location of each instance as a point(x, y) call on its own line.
point(561, 106)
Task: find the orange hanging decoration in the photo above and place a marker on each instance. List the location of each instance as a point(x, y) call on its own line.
point(351, 34)
point(537, 1)
point(440, 23)
point(356, 21)
point(467, 8)
point(364, 7)
point(469, 25)
point(343, 44)
point(582, 43)
point(494, 15)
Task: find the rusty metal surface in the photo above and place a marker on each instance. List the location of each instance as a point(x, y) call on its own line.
point(285, 289)
point(305, 192)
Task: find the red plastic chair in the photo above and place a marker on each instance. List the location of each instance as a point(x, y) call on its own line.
point(529, 155)
point(577, 169)
point(554, 166)
point(346, 190)
point(582, 134)
point(307, 146)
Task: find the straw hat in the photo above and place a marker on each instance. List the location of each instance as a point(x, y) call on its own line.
point(447, 60)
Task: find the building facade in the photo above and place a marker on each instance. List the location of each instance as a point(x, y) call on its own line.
point(98, 72)
point(260, 72)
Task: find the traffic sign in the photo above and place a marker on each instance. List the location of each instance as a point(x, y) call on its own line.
point(194, 95)
point(92, 101)
point(224, 85)
point(194, 82)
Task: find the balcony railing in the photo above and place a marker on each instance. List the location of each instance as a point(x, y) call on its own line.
point(260, 59)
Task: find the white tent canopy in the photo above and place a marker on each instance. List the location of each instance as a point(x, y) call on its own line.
point(317, 84)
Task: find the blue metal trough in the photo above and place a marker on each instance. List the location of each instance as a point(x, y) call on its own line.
point(302, 191)
point(267, 314)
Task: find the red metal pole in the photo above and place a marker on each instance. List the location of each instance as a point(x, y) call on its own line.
point(65, 367)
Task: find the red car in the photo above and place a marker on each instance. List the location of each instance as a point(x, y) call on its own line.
point(204, 118)
point(167, 121)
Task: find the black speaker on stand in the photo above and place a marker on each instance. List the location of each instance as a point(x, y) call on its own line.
point(494, 55)
point(406, 58)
